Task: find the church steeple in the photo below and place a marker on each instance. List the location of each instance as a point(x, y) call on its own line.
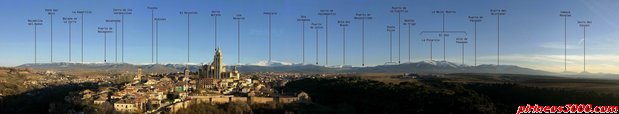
point(138, 75)
point(186, 73)
point(217, 64)
point(217, 52)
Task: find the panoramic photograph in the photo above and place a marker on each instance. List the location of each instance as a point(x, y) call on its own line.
point(309, 56)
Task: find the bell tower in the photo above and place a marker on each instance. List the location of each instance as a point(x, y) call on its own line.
point(186, 73)
point(217, 64)
point(138, 75)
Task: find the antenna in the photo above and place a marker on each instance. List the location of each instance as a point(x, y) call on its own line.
point(316, 26)
point(409, 22)
point(238, 18)
point(390, 29)
point(475, 20)
point(303, 19)
point(82, 12)
point(443, 33)
point(326, 13)
point(430, 40)
point(363, 17)
point(188, 13)
point(462, 41)
point(584, 25)
point(152, 33)
point(215, 13)
point(51, 13)
point(498, 13)
point(270, 14)
point(35, 23)
point(398, 10)
point(343, 24)
point(70, 20)
point(157, 38)
point(104, 30)
point(565, 14)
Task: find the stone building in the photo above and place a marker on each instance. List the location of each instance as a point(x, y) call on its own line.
point(217, 70)
point(130, 105)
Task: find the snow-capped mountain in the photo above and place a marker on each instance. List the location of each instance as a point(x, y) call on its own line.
point(278, 66)
point(272, 63)
point(438, 64)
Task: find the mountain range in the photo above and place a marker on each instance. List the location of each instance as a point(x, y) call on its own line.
point(422, 67)
point(414, 67)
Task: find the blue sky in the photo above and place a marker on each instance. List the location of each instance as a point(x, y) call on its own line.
point(531, 32)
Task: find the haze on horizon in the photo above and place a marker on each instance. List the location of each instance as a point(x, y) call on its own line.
point(531, 32)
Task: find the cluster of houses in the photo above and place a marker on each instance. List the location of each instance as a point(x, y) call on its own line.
point(212, 83)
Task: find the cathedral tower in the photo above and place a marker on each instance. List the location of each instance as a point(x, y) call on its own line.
point(217, 65)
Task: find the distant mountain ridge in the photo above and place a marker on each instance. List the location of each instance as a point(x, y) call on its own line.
point(450, 67)
point(416, 67)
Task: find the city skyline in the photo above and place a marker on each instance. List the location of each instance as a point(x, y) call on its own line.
point(531, 33)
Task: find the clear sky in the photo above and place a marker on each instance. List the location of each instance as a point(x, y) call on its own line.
point(531, 32)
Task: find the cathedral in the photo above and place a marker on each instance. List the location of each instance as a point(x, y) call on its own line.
point(217, 70)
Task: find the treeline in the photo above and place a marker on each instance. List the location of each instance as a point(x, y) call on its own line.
point(208, 108)
point(430, 95)
point(355, 95)
point(43, 100)
point(507, 97)
point(255, 108)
